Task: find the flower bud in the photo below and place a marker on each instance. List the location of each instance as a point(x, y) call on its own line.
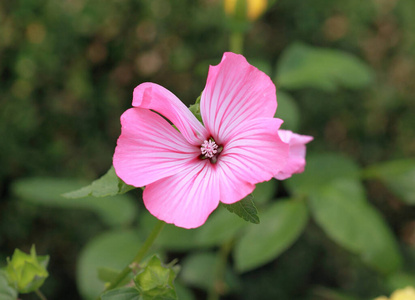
point(27, 272)
point(245, 9)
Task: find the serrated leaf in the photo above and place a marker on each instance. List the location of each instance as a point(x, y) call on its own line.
point(245, 209)
point(281, 224)
point(303, 66)
point(126, 293)
point(107, 185)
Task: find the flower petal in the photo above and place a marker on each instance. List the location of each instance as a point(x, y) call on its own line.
point(185, 199)
point(255, 153)
point(296, 161)
point(149, 148)
point(153, 96)
point(232, 188)
point(235, 92)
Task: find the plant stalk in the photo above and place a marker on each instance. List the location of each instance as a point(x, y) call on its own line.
point(236, 42)
point(40, 294)
point(139, 256)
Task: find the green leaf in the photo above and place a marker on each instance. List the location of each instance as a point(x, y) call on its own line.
point(212, 233)
point(288, 111)
point(113, 250)
point(320, 171)
point(126, 293)
point(265, 191)
point(155, 281)
point(7, 292)
point(245, 209)
point(344, 214)
point(303, 66)
point(324, 293)
point(171, 237)
point(400, 280)
point(115, 210)
point(398, 176)
point(281, 224)
point(199, 270)
point(107, 274)
point(108, 185)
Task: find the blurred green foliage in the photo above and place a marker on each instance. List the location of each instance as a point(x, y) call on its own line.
point(68, 69)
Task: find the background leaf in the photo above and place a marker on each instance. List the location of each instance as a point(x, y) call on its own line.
point(281, 224)
point(320, 171)
point(115, 210)
point(398, 176)
point(126, 293)
point(113, 250)
point(198, 270)
point(288, 111)
point(343, 213)
point(303, 66)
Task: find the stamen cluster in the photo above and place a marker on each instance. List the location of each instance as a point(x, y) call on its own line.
point(210, 150)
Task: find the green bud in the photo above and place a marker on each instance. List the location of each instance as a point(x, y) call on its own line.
point(155, 281)
point(27, 272)
point(195, 109)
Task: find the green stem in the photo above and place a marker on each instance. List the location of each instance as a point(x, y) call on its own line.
point(236, 42)
point(139, 256)
point(219, 284)
point(40, 294)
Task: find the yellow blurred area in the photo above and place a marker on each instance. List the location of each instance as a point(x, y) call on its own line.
point(407, 293)
point(254, 8)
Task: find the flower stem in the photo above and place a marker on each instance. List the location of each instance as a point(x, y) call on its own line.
point(236, 42)
point(139, 256)
point(218, 286)
point(40, 294)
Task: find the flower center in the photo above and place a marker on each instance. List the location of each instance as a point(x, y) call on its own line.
point(209, 148)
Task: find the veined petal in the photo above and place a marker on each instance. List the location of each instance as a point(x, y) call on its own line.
point(185, 199)
point(255, 153)
point(153, 96)
point(235, 92)
point(149, 148)
point(232, 188)
point(296, 160)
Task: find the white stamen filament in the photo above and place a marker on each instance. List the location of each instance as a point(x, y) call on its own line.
point(209, 148)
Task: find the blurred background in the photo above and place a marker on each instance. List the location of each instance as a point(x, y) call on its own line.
point(67, 72)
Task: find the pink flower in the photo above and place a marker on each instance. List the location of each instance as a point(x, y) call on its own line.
point(296, 159)
point(187, 172)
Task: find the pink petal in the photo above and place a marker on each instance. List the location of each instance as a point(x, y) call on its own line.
point(149, 148)
point(153, 96)
point(235, 92)
point(253, 154)
point(232, 188)
point(185, 199)
point(296, 161)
